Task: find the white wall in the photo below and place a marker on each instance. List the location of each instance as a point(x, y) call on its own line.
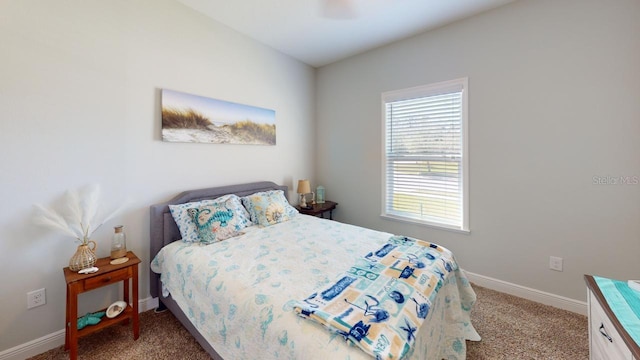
point(554, 90)
point(80, 103)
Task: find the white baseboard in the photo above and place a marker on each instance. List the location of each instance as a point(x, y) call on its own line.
point(55, 339)
point(147, 304)
point(561, 302)
point(34, 347)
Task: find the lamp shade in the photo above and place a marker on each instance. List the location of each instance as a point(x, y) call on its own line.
point(304, 187)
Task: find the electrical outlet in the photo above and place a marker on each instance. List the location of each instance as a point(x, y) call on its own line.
point(36, 298)
point(555, 263)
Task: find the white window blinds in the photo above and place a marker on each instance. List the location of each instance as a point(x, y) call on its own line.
point(424, 160)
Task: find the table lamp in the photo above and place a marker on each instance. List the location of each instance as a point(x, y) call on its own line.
point(303, 189)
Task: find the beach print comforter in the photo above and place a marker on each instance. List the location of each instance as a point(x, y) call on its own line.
point(240, 293)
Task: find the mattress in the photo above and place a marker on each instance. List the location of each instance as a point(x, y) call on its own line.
point(239, 293)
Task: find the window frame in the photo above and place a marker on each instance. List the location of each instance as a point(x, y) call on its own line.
point(427, 91)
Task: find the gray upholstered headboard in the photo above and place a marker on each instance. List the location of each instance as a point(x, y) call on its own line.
point(164, 230)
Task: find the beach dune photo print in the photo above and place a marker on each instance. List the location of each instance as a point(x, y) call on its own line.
point(193, 118)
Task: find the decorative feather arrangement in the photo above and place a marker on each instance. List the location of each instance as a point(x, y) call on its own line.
point(77, 215)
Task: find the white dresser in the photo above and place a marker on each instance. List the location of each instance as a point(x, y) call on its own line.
point(608, 339)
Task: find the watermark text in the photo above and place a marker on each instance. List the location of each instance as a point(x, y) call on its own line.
point(615, 180)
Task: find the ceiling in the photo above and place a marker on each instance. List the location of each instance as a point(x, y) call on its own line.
point(319, 32)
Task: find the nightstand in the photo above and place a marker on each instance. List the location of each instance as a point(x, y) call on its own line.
point(106, 275)
point(319, 209)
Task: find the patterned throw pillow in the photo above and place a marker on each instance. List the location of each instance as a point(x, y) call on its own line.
point(269, 207)
point(187, 226)
point(215, 222)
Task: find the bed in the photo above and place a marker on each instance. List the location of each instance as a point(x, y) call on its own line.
point(238, 296)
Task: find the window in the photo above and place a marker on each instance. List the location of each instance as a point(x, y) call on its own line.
point(425, 177)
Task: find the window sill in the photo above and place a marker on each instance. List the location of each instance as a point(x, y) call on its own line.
point(426, 224)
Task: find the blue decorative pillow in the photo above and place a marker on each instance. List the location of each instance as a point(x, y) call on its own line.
point(215, 222)
point(187, 226)
point(269, 207)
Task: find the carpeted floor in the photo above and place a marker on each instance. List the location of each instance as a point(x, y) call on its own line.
point(511, 328)
point(514, 328)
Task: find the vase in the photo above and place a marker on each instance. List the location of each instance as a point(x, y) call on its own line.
point(85, 256)
point(320, 194)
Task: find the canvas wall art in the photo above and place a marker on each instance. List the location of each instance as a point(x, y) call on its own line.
point(193, 118)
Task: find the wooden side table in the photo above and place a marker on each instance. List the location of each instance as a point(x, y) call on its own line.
point(319, 209)
point(106, 275)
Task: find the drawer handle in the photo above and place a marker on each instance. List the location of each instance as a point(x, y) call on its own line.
point(604, 333)
point(107, 279)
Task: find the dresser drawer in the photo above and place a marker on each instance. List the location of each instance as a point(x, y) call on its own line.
point(106, 279)
point(606, 343)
